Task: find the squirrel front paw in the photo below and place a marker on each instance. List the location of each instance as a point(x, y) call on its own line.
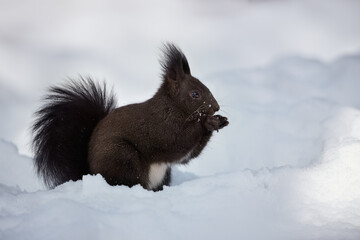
point(215, 122)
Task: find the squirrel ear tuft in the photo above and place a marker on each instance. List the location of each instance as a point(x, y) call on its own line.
point(174, 63)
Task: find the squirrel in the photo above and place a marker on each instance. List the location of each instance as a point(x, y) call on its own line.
point(79, 130)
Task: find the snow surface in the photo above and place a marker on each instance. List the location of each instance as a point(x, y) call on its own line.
point(287, 166)
point(316, 195)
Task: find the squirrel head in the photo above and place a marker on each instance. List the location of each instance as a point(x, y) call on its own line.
point(187, 92)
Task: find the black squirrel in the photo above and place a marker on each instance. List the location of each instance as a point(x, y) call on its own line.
point(79, 131)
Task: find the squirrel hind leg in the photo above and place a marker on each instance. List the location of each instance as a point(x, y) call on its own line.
point(119, 164)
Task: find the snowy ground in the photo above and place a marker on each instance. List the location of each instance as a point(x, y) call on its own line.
point(287, 166)
point(313, 138)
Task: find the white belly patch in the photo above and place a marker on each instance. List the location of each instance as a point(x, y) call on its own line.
point(156, 174)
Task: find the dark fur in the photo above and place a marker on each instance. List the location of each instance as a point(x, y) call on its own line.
point(127, 141)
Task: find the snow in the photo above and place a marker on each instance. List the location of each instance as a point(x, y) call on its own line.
point(17, 170)
point(316, 195)
point(287, 166)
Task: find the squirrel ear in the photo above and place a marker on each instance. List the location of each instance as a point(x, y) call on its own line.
point(174, 64)
point(175, 73)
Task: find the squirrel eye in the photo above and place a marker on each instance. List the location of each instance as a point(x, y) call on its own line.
point(195, 94)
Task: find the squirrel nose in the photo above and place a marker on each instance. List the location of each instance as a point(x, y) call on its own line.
point(216, 106)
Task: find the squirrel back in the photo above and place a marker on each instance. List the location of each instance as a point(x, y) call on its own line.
point(79, 131)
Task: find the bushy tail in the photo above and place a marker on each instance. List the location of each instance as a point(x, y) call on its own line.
point(63, 128)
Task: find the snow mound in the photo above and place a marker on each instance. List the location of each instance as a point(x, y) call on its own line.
point(321, 201)
point(17, 170)
point(278, 113)
point(287, 167)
